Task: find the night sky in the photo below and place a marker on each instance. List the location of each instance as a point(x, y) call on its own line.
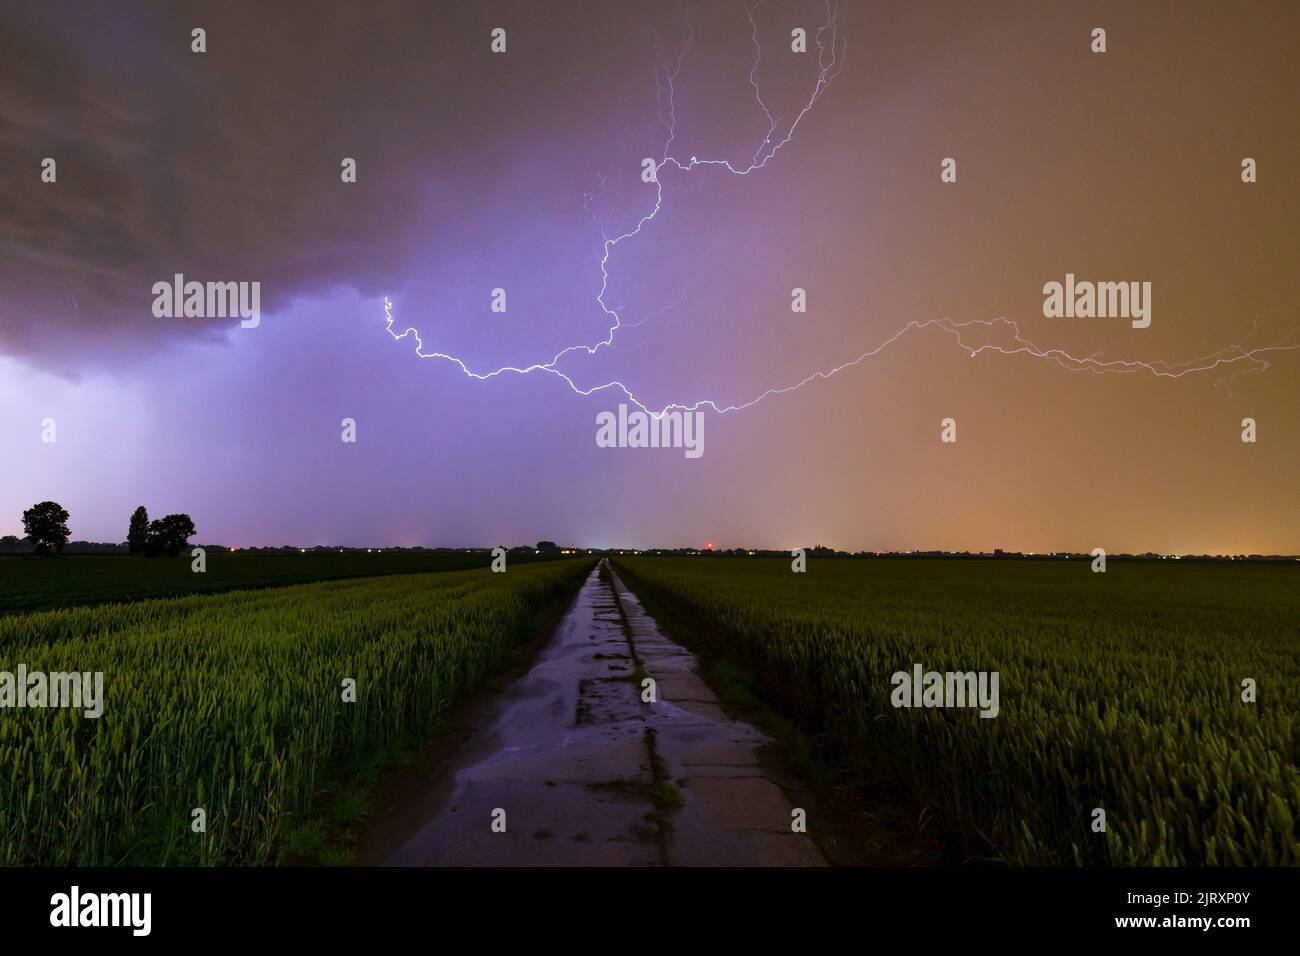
point(478, 170)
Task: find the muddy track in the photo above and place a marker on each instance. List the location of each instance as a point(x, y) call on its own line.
point(572, 767)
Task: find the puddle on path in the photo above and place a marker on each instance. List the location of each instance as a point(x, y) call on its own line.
point(575, 758)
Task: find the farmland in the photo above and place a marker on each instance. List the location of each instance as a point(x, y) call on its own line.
point(1120, 692)
point(234, 704)
point(34, 584)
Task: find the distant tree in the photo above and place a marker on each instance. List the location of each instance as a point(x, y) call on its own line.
point(547, 546)
point(169, 535)
point(137, 535)
point(46, 524)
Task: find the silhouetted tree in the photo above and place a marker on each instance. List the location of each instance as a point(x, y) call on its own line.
point(547, 546)
point(46, 523)
point(137, 535)
point(169, 535)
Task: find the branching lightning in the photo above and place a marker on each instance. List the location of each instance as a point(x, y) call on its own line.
point(972, 336)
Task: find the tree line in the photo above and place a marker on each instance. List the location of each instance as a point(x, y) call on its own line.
point(46, 526)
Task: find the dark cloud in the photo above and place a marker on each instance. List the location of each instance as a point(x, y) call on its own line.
point(225, 166)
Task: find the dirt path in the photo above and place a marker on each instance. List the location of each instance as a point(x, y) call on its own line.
point(589, 774)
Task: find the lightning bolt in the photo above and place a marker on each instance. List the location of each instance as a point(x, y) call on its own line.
point(972, 336)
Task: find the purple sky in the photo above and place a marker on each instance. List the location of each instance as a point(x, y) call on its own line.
point(473, 172)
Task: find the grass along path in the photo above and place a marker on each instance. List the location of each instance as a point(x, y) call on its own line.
point(1119, 691)
point(234, 704)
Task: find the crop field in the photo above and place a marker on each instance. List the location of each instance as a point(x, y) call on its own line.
point(234, 704)
point(1120, 691)
point(35, 584)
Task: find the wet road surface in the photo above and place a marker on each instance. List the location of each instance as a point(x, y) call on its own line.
point(574, 768)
